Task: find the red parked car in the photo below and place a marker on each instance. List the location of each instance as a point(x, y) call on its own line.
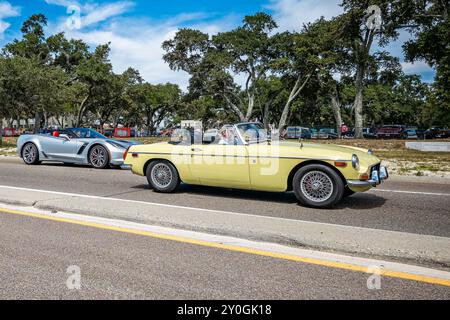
point(436, 133)
point(392, 132)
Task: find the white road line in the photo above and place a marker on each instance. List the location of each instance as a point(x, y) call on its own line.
point(412, 192)
point(370, 264)
point(188, 208)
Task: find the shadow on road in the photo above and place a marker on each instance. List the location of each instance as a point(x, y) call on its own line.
point(232, 193)
point(362, 201)
point(359, 201)
point(74, 165)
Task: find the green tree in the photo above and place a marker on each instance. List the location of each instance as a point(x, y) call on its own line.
point(154, 103)
point(92, 77)
point(214, 63)
point(429, 23)
point(364, 23)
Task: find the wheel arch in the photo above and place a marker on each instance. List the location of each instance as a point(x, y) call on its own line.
point(308, 162)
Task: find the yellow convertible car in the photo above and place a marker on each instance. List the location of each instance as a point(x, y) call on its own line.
point(241, 156)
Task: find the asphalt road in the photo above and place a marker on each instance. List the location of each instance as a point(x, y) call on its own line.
point(35, 255)
point(420, 207)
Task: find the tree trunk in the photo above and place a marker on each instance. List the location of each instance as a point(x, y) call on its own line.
point(235, 108)
point(45, 120)
point(251, 103)
point(336, 107)
point(83, 107)
point(284, 115)
point(266, 115)
point(1, 132)
point(37, 122)
point(81, 111)
point(358, 105)
point(294, 93)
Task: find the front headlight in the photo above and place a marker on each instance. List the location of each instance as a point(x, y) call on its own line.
point(355, 162)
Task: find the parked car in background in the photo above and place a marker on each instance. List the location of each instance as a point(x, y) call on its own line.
point(314, 133)
point(436, 133)
point(210, 135)
point(370, 133)
point(327, 133)
point(415, 133)
point(392, 132)
point(165, 133)
point(108, 133)
point(10, 132)
point(298, 133)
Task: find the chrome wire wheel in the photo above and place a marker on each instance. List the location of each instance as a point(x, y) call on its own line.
point(161, 175)
point(317, 186)
point(30, 153)
point(98, 157)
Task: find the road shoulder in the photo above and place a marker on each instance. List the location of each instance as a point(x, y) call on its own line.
point(400, 246)
point(270, 250)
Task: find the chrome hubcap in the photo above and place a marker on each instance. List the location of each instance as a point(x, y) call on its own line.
point(29, 153)
point(317, 186)
point(98, 157)
point(161, 175)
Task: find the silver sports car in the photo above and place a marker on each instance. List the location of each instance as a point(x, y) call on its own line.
point(72, 146)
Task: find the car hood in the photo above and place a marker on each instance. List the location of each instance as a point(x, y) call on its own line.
point(325, 151)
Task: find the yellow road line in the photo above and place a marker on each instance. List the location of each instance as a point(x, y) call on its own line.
point(319, 262)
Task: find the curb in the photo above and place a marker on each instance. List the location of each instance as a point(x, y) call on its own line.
point(333, 238)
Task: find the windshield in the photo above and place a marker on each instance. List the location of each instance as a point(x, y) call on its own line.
point(252, 132)
point(84, 133)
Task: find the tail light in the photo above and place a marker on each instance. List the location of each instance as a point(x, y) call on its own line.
point(126, 153)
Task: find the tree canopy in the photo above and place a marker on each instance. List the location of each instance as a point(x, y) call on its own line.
point(330, 72)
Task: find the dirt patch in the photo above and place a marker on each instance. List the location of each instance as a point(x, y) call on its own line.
point(403, 161)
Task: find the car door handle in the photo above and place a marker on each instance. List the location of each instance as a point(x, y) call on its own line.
point(196, 150)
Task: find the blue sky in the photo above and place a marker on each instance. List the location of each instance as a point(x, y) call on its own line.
point(136, 28)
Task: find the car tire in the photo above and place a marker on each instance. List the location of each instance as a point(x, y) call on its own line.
point(98, 157)
point(163, 176)
point(318, 186)
point(30, 154)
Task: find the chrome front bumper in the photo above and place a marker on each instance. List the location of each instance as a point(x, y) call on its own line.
point(377, 177)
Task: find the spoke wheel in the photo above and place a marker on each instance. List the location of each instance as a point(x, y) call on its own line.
point(163, 176)
point(99, 157)
point(30, 154)
point(317, 186)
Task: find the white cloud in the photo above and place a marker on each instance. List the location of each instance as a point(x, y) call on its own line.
point(63, 3)
point(101, 13)
point(417, 67)
point(7, 11)
point(292, 14)
point(92, 13)
point(137, 43)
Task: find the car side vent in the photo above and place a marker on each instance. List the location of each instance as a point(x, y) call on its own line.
point(80, 151)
